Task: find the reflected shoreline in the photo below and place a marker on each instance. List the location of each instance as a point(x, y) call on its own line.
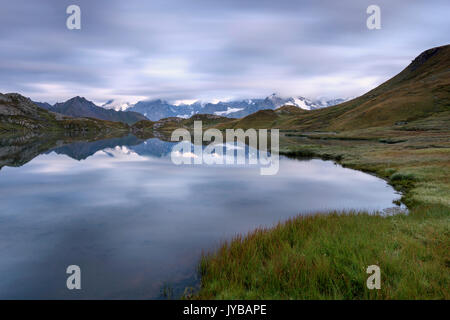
point(17, 150)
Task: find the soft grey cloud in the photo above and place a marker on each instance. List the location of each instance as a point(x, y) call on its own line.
point(198, 49)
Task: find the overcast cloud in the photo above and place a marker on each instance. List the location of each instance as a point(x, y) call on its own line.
point(210, 49)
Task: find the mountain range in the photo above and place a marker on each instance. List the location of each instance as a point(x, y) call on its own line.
point(158, 109)
point(154, 110)
point(81, 107)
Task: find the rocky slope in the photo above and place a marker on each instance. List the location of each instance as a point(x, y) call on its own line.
point(19, 114)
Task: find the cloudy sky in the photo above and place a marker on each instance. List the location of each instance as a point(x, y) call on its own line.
point(210, 49)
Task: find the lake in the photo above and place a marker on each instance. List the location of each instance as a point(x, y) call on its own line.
point(136, 223)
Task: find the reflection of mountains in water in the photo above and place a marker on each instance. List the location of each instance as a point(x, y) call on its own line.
point(82, 150)
point(153, 147)
point(18, 151)
point(15, 151)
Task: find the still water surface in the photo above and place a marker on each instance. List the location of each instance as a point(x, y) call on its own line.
point(136, 223)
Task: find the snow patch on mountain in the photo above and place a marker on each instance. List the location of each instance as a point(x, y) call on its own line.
point(117, 105)
point(228, 111)
point(185, 116)
point(308, 104)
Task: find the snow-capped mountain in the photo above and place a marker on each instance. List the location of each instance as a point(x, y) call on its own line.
point(228, 111)
point(309, 104)
point(117, 105)
point(158, 109)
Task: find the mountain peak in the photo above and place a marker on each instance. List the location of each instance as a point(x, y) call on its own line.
point(79, 100)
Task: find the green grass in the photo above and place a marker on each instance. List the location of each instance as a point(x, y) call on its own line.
point(326, 256)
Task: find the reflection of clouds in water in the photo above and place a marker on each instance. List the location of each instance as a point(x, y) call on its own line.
point(179, 154)
point(319, 170)
point(231, 146)
point(52, 163)
point(122, 152)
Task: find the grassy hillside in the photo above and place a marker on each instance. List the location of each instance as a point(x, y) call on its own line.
point(259, 120)
point(167, 125)
point(419, 91)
